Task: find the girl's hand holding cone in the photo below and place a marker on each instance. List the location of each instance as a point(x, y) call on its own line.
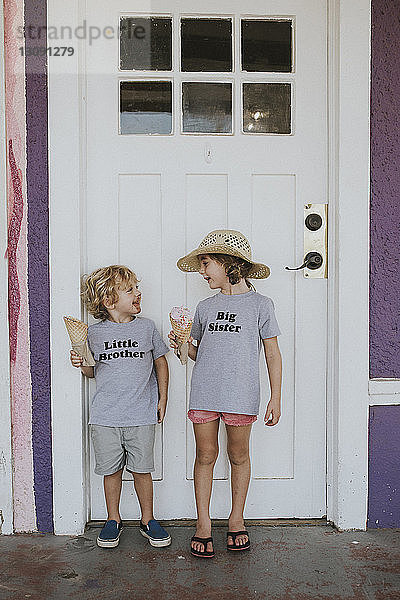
point(181, 350)
point(172, 338)
point(181, 320)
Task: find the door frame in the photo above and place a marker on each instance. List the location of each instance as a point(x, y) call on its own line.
point(348, 196)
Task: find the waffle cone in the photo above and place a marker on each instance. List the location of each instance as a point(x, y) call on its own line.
point(182, 335)
point(77, 331)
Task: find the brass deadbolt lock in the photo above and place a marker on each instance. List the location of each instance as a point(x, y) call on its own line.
point(313, 222)
point(315, 249)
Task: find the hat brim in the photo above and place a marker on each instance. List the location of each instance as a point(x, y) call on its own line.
point(190, 263)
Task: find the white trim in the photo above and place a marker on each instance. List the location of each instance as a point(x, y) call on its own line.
point(332, 326)
point(348, 353)
point(384, 391)
point(6, 495)
point(64, 198)
point(348, 362)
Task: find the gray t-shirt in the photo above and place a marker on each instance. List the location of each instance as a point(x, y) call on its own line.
point(126, 383)
point(230, 330)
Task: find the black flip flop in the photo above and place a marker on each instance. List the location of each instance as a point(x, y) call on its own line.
point(234, 535)
point(205, 553)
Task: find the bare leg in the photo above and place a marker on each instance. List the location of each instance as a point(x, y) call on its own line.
point(112, 491)
point(206, 435)
point(143, 483)
point(239, 458)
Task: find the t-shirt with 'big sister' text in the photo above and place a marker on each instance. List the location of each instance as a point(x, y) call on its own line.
point(230, 330)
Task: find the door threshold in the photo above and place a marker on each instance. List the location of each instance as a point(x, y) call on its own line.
point(224, 523)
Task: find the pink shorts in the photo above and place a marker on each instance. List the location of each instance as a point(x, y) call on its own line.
point(205, 416)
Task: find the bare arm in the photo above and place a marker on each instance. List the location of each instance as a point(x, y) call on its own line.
point(77, 361)
point(162, 374)
point(192, 349)
point(274, 365)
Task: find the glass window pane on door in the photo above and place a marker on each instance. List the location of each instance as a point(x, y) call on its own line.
point(146, 43)
point(266, 45)
point(206, 45)
point(266, 108)
point(146, 107)
point(207, 107)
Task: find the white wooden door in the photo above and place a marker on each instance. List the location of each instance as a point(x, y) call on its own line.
point(224, 126)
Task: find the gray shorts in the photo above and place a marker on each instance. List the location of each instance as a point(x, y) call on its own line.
point(119, 447)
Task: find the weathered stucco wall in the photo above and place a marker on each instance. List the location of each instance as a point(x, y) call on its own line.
point(384, 463)
point(385, 191)
point(37, 177)
point(17, 254)
point(384, 467)
point(28, 268)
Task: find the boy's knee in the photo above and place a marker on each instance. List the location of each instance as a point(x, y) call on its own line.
point(207, 456)
point(136, 475)
point(116, 475)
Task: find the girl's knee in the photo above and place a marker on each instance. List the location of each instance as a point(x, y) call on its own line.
point(206, 456)
point(238, 456)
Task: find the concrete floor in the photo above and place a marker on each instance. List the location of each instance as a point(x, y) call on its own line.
point(284, 563)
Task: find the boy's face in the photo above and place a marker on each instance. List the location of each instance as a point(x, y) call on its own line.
point(128, 303)
point(213, 272)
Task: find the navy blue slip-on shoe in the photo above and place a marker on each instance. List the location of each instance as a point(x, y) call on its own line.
point(109, 535)
point(156, 534)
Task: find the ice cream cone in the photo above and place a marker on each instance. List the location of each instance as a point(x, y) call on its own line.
point(181, 329)
point(77, 331)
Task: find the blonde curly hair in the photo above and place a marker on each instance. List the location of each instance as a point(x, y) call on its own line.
point(102, 285)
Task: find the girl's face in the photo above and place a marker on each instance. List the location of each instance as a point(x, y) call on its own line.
point(213, 272)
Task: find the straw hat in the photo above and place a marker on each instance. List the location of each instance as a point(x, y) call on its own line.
point(224, 241)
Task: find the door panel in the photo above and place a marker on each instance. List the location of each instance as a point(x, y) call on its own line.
point(152, 198)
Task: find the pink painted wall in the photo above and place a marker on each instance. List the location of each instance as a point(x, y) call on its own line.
point(21, 396)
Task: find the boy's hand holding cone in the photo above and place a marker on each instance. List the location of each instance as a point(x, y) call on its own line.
point(77, 331)
point(181, 320)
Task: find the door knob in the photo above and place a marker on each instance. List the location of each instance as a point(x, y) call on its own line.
point(312, 260)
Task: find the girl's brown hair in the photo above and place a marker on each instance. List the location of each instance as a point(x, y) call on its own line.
point(235, 268)
point(102, 285)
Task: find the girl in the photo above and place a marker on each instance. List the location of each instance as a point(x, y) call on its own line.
point(230, 328)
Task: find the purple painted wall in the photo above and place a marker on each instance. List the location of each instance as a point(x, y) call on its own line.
point(38, 265)
point(384, 467)
point(385, 190)
point(384, 424)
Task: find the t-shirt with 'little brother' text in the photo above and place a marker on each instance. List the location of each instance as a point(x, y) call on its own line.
point(126, 384)
point(230, 330)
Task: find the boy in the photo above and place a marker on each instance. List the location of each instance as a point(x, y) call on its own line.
point(131, 375)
